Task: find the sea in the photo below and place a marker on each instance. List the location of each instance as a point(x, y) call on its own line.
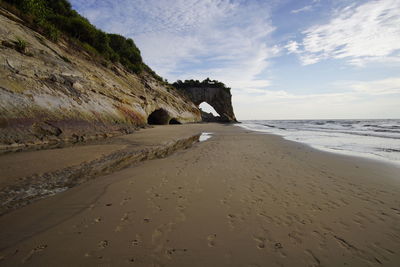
point(376, 139)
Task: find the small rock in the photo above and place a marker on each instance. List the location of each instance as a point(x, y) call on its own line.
point(77, 86)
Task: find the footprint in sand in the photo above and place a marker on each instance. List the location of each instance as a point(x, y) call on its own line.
point(125, 217)
point(211, 240)
point(295, 237)
point(261, 241)
point(131, 260)
point(103, 244)
point(119, 228)
point(136, 242)
point(125, 200)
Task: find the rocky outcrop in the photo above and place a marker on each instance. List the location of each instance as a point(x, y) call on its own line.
point(219, 98)
point(57, 92)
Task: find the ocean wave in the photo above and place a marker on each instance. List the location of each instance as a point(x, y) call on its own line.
point(380, 138)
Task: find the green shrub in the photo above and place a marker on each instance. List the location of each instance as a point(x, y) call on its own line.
point(90, 49)
point(20, 45)
point(49, 30)
point(37, 8)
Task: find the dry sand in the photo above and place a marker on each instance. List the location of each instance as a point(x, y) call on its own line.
point(238, 199)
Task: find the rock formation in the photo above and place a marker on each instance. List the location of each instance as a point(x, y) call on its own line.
point(57, 92)
point(219, 98)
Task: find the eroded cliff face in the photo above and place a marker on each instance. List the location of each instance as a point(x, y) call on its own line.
point(219, 98)
point(51, 92)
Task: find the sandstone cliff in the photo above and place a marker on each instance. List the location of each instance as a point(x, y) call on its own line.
point(56, 92)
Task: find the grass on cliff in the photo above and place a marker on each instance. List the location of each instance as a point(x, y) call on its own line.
point(20, 45)
point(56, 18)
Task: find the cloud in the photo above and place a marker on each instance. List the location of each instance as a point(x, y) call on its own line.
point(354, 99)
point(380, 87)
point(359, 34)
point(292, 47)
point(303, 9)
point(183, 39)
point(306, 8)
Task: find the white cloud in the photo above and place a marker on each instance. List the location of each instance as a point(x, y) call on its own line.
point(303, 9)
point(292, 47)
point(380, 87)
point(359, 34)
point(306, 8)
point(183, 39)
point(356, 99)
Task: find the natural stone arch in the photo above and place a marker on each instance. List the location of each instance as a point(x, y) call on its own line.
point(174, 121)
point(219, 98)
point(158, 117)
point(208, 113)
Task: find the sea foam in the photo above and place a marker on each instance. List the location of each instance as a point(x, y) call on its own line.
point(378, 139)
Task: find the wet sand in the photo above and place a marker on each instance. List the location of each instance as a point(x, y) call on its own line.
point(238, 199)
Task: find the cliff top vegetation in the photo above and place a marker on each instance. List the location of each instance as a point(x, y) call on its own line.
point(56, 19)
point(205, 83)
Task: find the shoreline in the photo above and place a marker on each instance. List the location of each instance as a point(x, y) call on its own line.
point(345, 153)
point(239, 198)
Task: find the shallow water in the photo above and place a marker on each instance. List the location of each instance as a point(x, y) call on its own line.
point(378, 139)
point(205, 136)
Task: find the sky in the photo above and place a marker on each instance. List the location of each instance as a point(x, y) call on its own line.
point(283, 59)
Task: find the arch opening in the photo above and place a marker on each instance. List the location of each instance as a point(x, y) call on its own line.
point(174, 121)
point(205, 107)
point(208, 113)
point(158, 117)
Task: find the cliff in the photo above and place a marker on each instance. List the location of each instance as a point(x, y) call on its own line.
point(52, 92)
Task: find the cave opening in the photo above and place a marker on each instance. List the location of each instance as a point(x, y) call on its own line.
point(174, 121)
point(158, 117)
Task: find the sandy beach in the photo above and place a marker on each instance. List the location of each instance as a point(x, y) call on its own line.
point(240, 198)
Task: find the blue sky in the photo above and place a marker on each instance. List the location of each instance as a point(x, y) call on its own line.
point(283, 59)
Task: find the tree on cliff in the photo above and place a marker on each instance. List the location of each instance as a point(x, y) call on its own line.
point(205, 83)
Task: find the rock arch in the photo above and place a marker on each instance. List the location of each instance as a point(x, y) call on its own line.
point(158, 117)
point(219, 98)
